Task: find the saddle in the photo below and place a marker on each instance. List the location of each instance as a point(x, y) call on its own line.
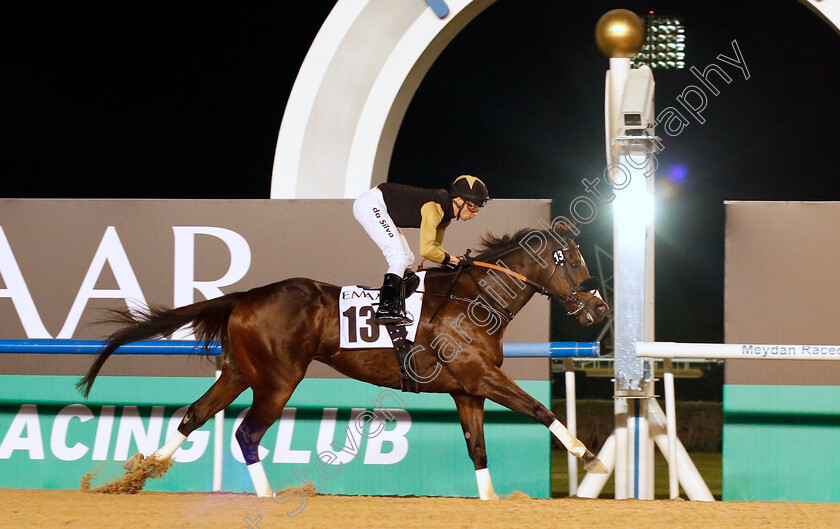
point(411, 283)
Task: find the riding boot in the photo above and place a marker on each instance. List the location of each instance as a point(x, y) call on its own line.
point(391, 308)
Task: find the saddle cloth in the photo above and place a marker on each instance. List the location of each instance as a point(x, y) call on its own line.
point(355, 314)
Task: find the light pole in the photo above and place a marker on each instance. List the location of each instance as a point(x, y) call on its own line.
point(630, 145)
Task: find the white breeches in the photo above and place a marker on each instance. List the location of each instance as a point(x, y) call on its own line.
point(371, 212)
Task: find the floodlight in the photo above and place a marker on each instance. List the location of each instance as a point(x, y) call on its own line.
point(664, 45)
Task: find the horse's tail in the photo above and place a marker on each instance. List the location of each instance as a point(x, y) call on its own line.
point(208, 320)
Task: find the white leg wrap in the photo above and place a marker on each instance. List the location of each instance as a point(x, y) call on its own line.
point(173, 444)
point(563, 435)
point(485, 485)
point(260, 480)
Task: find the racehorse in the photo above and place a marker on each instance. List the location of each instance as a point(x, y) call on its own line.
point(270, 334)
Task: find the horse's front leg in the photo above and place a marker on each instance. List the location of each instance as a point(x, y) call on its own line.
point(498, 387)
point(471, 413)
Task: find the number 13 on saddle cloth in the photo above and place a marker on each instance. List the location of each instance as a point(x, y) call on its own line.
point(355, 313)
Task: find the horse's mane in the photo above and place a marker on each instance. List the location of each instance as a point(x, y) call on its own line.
point(492, 245)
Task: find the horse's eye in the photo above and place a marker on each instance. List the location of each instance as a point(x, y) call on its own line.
point(576, 265)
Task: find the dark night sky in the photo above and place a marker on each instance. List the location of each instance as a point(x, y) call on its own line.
point(151, 101)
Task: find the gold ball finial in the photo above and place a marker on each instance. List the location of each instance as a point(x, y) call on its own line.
point(620, 33)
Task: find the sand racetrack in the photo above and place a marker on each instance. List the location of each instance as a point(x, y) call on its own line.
point(150, 510)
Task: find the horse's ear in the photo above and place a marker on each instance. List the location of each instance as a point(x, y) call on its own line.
point(567, 226)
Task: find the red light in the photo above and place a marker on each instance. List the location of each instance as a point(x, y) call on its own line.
point(650, 12)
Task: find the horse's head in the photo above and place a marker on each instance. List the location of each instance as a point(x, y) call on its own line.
point(550, 262)
point(569, 282)
point(573, 286)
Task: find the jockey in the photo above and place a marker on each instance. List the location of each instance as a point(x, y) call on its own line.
point(387, 207)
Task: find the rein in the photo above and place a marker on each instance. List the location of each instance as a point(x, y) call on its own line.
point(533, 284)
point(559, 262)
point(517, 275)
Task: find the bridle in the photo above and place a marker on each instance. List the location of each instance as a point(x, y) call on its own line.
point(587, 285)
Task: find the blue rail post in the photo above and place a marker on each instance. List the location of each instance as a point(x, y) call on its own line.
point(152, 347)
point(552, 349)
point(511, 350)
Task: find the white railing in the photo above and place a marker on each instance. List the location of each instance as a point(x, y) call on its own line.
point(670, 350)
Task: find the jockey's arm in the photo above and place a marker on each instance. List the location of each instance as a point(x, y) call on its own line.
point(431, 234)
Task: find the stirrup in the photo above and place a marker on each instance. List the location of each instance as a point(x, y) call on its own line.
point(391, 318)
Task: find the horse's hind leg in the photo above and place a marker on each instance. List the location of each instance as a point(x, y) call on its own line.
point(266, 409)
point(471, 413)
point(499, 387)
point(229, 385)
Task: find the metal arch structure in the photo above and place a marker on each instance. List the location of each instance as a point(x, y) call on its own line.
point(358, 78)
point(352, 92)
point(828, 10)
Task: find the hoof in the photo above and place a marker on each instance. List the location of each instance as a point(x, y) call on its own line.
point(593, 464)
point(132, 463)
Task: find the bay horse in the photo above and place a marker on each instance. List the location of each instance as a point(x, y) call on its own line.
point(270, 334)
